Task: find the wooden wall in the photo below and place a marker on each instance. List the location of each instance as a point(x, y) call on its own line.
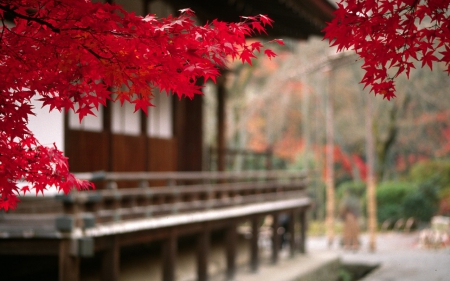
point(90, 151)
point(93, 151)
point(87, 151)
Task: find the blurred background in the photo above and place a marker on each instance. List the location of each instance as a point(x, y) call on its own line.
point(276, 116)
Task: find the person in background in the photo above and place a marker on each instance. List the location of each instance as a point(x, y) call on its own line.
point(349, 212)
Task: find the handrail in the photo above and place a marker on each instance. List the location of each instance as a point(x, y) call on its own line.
point(133, 176)
point(205, 191)
point(184, 193)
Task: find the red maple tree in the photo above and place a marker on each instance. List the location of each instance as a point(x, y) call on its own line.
point(74, 55)
point(392, 34)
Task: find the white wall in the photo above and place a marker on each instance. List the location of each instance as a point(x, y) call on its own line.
point(159, 122)
point(48, 127)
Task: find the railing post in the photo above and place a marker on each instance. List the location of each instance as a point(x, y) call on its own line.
point(111, 260)
point(169, 256)
point(69, 262)
point(230, 242)
point(71, 217)
point(116, 204)
point(203, 246)
point(254, 250)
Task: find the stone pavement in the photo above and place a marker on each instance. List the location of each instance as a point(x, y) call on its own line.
point(398, 255)
point(322, 266)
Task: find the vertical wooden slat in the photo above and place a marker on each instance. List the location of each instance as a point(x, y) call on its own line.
point(169, 256)
point(230, 242)
point(69, 265)
point(203, 246)
point(111, 260)
point(275, 238)
point(254, 251)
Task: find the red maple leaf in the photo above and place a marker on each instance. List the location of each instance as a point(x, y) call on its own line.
point(75, 55)
point(270, 54)
point(389, 34)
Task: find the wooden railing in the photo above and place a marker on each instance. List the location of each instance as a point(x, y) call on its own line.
point(184, 193)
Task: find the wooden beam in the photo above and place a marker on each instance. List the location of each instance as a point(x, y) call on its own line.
point(303, 228)
point(254, 250)
point(29, 247)
point(292, 241)
point(203, 247)
point(275, 238)
point(230, 244)
point(111, 260)
point(169, 256)
point(69, 264)
point(196, 217)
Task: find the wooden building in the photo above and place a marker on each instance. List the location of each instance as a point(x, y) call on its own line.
point(99, 223)
point(170, 137)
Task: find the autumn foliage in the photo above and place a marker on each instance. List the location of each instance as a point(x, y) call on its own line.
point(77, 55)
point(392, 34)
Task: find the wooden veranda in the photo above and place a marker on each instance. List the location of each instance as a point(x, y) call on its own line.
point(162, 207)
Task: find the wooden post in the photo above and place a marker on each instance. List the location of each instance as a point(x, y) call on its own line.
point(254, 251)
point(111, 260)
point(292, 241)
point(221, 118)
point(275, 238)
point(230, 242)
point(69, 264)
point(169, 256)
point(303, 227)
point(371, 182)
point(203, 245)
point(330, 161)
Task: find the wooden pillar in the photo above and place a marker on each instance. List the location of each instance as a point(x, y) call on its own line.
point(221, 146)
point(275, 238)
point(203, 245)
point(303, 228)
point(69, 265)
point(230, 244)
point(188, 130)
point(111, 260)
point(292, 241)
point(254, 250)
point(169, 256)
point(371, 181)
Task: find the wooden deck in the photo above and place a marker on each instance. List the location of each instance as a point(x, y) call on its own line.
point(100, 222)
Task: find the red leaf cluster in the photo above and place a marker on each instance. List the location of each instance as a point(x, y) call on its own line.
point(392, 34)
point(76, 55)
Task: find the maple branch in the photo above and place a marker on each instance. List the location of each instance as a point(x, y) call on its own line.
point(99, 57)
point(28, 18)
point(40, 21)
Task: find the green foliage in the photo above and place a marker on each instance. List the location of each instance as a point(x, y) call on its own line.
point(356, 196)
point(425, 171)
point(344, 275)
point(397, 200)
point(436, 175)
point(423, 203)
point(355, 188)
point(390, 199)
